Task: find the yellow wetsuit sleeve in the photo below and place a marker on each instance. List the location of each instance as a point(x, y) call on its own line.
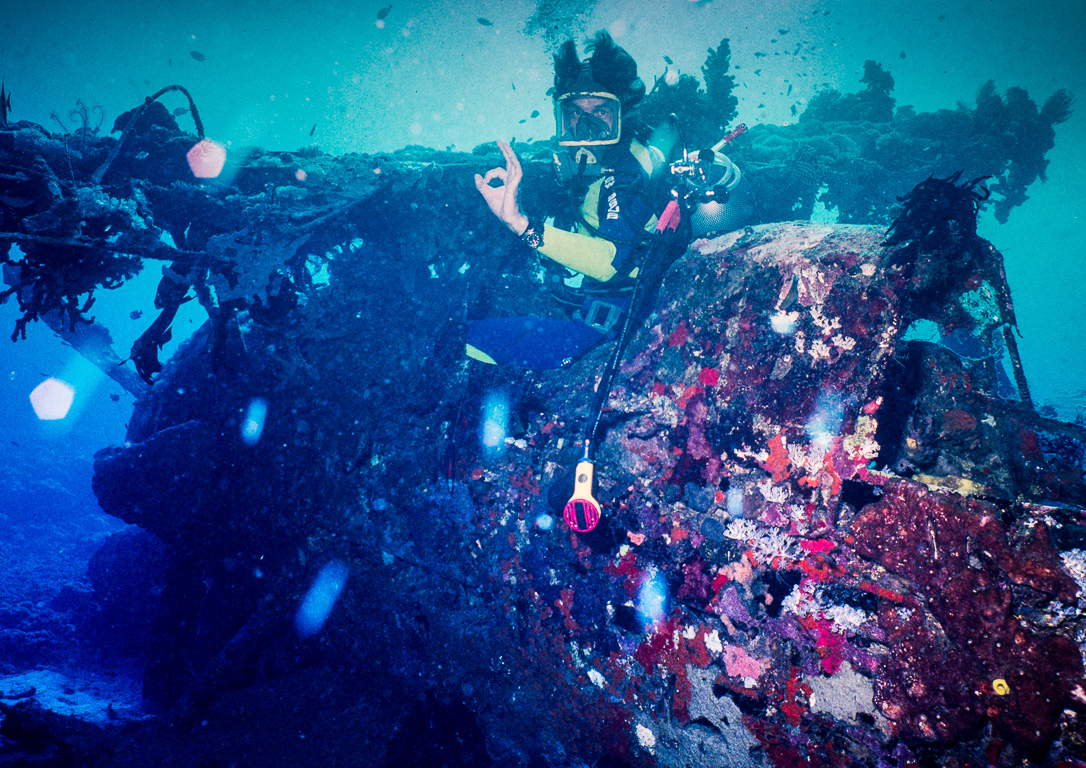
point(581, 253)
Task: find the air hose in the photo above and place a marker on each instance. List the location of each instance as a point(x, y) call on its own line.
point(582, 511)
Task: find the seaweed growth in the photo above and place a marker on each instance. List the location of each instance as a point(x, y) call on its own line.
point(704, 113)
point(939, 212)
point(62, 241)
point(937, 235)
point(856, 152)
point(937, 230)
point(57, 269)
point(81, 115)
point(873, 104)
point(1012, 123)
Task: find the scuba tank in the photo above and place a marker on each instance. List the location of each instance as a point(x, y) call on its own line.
point(719, 197)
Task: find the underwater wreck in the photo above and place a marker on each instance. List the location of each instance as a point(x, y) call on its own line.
point(869, 549)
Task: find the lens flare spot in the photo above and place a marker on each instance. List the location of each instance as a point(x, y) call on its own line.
point(735, 502)
point(824, 423)
point(320, 599)
point(652, 600)
point(52, 399)
point(206, 159)
point(784, 323)
point(495, 423)
point(252, 427)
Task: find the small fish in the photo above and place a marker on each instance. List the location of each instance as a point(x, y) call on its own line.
point(522, 121)
point(668, 60)
point(143, 155)
point(902, 54)
point(485, 22)
point(311, 130)
point(514, 86)
point(789, 91)
point(136, 314)
point(793, 110)
point(180, 111)
point(535, 113)
point(384, 11)
point(197, 55)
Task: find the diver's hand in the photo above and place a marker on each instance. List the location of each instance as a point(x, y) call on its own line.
point(504, 200)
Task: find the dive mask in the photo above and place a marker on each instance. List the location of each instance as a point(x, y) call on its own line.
point(588, 118)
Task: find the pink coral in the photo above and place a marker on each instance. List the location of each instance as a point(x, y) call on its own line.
point(739, 663)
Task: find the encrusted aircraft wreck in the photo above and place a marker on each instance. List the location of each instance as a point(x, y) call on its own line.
point(870, 550)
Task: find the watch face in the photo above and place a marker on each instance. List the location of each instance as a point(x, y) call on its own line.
point(532, 238)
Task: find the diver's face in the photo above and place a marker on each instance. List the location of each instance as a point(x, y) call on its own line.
point(582, 111)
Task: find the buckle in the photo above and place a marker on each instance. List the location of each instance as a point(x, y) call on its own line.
point(602, 315)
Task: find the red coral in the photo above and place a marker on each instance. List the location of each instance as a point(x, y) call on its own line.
point(1030, 444)
point(796, 696)
point(956, 551)
point(778, 461)
point(1034, 562)
point(957, 420)
point(830, 646)
point(668, 648)
point(817, 545)
point(689, 393)
point(565, 605)
point(709, 377)
point(626, 569)
point(679, 335)
point(695, 584)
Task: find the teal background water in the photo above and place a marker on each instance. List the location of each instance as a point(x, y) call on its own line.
point(286, 74)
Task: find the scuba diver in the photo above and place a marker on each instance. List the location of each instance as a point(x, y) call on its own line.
point(617, 178)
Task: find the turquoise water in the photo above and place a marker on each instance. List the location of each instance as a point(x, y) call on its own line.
point(283, 75)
